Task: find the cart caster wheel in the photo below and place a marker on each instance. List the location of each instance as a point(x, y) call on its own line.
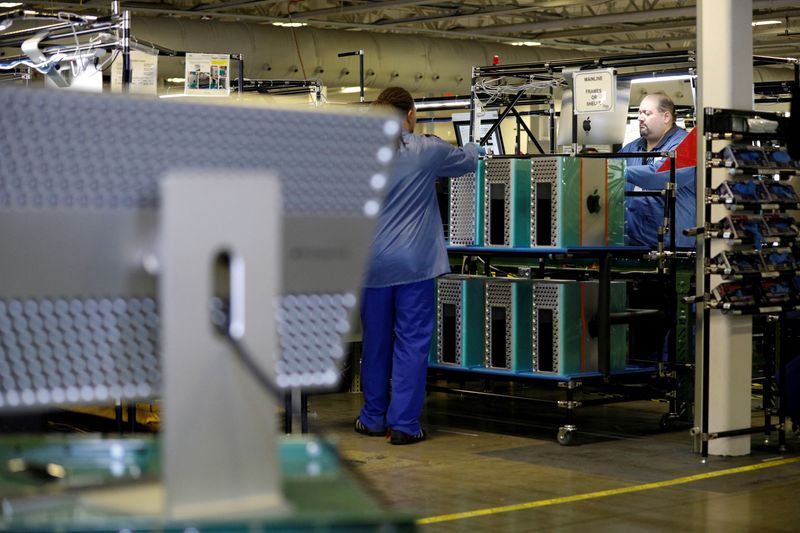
point(565, 437)
point(666, 421)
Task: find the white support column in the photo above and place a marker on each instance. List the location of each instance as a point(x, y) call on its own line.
point(725, 71)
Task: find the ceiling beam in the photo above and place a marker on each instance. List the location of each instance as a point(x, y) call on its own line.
point(360, 8)
point(674, 25)
point(233, 4)
point(492, 11)
point(616, 18)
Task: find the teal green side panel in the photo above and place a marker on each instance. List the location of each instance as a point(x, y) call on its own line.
point(570, 329)
point(619, 332)
point(569, 198)
point(473, 302)
point(521, 327)
point(616, 198)
point(520, 203)
point(480, 182)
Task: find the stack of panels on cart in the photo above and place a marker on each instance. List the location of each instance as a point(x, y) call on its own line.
point(524, 326)
point(539, 202)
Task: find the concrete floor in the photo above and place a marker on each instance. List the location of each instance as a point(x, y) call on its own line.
point(489, 453)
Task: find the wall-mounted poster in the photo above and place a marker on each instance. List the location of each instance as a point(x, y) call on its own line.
point(208, 74)
point(144, 78)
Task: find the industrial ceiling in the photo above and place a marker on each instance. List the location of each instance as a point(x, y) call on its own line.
point(595, 26)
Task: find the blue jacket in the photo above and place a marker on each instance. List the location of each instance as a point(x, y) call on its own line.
point(409, 240)
point(644, 214)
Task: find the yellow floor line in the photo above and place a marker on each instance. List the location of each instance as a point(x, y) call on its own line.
point(604, 493)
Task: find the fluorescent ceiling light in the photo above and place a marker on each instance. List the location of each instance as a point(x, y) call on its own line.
point(649, 79)
point(526, 43)
point(765, 22)
point(447, 103)
point(350, 89)
point(10, 4)
point(176, 80)
point(289, 24)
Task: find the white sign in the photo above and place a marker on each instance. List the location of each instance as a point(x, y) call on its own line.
point(594, 90)
point(144, 75)
point(208, 74)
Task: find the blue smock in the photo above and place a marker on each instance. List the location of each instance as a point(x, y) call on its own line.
point(409, 240)
point(398, 308)
point(644, 214)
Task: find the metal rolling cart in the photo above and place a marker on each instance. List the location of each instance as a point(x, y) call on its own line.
point(539, 261)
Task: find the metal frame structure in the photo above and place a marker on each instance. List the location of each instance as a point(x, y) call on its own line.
point(67, 25)
point(774, 313)
point(666, 63)
point(666, 254)
point(281, 87)
point(64, 26)
point(605, 257)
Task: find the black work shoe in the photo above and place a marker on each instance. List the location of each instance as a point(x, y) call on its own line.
point(398, 437)
point(364, 430)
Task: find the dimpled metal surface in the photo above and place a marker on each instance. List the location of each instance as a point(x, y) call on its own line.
point(67, 152)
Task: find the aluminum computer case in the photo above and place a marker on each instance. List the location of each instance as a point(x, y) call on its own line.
point(577, 201)
point(458, 338)
point(507, 324)
point(562, 339)
point(503, 202)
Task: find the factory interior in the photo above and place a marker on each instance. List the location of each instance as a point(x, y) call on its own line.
point(552, 283)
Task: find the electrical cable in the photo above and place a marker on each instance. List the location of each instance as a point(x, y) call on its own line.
point(299, 56)
point(507, 274)
point(498, 86)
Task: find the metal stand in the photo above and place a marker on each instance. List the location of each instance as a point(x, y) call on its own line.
point(219, 447)
point(360, 54)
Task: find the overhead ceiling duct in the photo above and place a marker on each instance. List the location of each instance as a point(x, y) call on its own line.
point(423, 65)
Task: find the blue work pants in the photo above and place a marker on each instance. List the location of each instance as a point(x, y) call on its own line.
point(398, 324)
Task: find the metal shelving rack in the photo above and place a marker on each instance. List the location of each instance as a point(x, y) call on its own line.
point(605, 256)
point(716, 128)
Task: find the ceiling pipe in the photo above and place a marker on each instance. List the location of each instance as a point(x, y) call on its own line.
point(423, 65)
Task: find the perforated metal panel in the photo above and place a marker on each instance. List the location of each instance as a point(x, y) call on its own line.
point(77, 350)
point(449, 292)
point(310, 329)
point(546, 296)
point(545, 170)
point(79, 183)
point(498, 172)
point(498, 295)
point(463, 197)
point(75, 151)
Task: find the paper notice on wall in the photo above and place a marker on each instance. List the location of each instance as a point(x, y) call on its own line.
point(144, 78)
point(208, 74)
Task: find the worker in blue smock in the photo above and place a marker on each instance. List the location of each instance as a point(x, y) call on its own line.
point(644, 214)
point(398, 310)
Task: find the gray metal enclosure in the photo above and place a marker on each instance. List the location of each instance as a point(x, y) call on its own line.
point(79, 230)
